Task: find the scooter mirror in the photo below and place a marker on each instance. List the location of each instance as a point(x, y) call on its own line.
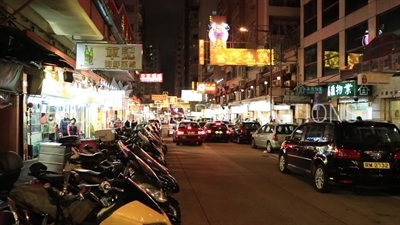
point(66, 173)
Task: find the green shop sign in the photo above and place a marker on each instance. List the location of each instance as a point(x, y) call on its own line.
point(347, 88)
point(308, 90)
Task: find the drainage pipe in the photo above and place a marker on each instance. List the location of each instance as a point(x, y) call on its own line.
point(109, 21)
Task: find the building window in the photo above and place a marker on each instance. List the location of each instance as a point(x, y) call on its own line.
point(352, 6)
point(330, 12)
point(354, 41)
point(285, 3)
point(283, 25)
point(388, 22)
point(310, 17)
point(310, 62)
point(330, 49)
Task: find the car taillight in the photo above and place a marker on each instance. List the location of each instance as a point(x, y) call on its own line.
point(275, 137)
point(209, 131)
point(397, 156)
point(180, 132)
point(228, 132)
point(341, 153)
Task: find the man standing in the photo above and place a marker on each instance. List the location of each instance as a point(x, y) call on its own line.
point(64, 123)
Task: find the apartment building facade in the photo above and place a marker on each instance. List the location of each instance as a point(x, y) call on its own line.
point(343, 40)
point(245, 92)
point(151, 65)
point(180, 62)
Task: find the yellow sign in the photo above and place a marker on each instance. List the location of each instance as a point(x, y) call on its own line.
point(172, 99)
point(201, 52)
point(206, 88)
point(159, 98)
point(353, 58)
point(241, 57)
point(331, 59)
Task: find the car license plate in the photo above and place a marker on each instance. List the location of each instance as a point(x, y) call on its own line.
point(191, 133)
point(376, 165)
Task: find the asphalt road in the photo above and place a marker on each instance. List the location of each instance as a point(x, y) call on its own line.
point(231, 184)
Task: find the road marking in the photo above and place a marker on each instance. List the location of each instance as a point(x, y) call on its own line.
point(206, 146)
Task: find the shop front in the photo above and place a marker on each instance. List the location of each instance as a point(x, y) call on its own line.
point(52, 101)
point(260, 110)
point(349, 100)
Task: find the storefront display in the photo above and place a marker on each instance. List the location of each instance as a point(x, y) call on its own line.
point(57, 99)
point(394, 106)
point(350, 110)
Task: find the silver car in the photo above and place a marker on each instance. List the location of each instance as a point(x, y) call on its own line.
point(271, 136)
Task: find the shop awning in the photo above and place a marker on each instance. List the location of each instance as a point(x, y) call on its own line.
point(250, 83)
point(274, 76)
point(16, 45)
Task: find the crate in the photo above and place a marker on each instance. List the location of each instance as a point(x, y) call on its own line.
point(54, 156)
point(105, 135)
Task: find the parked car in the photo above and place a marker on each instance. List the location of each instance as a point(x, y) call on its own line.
point(202, 123)
point(243, 131)
point(216, 131)
point(188, 132)
point(350, 153)
point(271, 136)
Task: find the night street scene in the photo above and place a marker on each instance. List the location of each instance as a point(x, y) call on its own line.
point(200, 112)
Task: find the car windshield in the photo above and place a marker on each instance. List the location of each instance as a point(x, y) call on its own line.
point(187, 125)
point(285, 129)
point(251, 126)
point(369, 134)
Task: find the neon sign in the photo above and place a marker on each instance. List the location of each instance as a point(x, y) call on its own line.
point(218, 31)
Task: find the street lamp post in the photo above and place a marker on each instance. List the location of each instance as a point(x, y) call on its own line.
point(271, 66)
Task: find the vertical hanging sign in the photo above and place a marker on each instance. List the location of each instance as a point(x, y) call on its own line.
point(201, 52)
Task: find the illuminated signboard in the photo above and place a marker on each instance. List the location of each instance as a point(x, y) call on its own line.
point(206, 88)
point(331, 59)
point(108, 56)
point(151, 77)
point(353, 58)
point(221, 55)
point(241, 57)
point(218, 31)
point(201, 52)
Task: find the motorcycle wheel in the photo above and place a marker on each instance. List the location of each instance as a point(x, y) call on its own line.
point(174, 209)
point(165, 149)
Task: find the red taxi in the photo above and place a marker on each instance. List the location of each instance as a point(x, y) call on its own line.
point(188, 132)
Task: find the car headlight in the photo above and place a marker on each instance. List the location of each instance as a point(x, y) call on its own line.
point(158, 194)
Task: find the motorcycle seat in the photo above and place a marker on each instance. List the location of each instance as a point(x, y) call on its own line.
point(95, 158)
point(53, 178)
point(90, 176)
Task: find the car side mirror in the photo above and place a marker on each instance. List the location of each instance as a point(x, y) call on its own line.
point(287, 138)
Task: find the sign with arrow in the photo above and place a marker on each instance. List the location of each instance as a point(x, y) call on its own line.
point(363, 90)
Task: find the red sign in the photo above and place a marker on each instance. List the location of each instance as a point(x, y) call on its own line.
point(151, 77)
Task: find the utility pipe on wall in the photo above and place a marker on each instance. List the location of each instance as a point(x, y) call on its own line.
point(109, 21)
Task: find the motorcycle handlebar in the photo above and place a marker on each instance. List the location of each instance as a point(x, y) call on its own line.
point(56, 196)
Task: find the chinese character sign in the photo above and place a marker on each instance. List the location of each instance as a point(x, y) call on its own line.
point(241, 57)
point(108, 56)
point(347, 88)
point(151, 77)
point(201, 52)
point(207, 88)
point(308, 90)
